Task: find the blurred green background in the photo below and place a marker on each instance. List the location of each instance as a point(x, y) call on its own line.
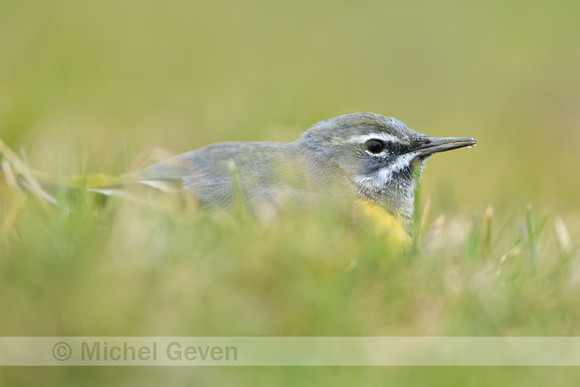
point(89, 86)
point(102, 81)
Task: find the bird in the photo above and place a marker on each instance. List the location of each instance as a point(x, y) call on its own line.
point(362, 158)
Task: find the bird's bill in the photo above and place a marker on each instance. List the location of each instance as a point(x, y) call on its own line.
point(433, 144)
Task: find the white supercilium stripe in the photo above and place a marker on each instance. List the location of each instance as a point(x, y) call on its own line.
point(361, 139)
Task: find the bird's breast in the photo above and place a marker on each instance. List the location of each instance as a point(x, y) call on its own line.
point(382, 222)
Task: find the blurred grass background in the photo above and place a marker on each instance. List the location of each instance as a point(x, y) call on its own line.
point(95, 86)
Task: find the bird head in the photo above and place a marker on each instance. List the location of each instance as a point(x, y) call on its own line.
point(377, 155)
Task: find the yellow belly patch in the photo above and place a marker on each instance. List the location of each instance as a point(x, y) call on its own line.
point(383, 222)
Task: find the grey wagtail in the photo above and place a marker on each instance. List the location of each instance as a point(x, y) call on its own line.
point(363, 156)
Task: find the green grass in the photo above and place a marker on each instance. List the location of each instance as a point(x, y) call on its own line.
point(104, 86)
point(124, 268)
point(130, 269)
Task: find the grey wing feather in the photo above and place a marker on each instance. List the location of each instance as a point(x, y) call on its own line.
point(172, 169)
point(203, 173)
point(207, 173)
point(166, 176)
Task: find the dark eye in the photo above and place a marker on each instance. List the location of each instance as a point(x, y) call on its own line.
point(375, 146)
